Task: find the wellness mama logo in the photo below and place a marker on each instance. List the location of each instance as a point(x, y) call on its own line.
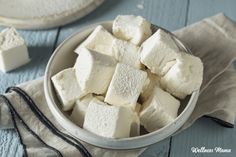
point(210, 150)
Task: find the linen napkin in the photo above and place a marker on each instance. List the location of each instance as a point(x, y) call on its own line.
point(212, 39)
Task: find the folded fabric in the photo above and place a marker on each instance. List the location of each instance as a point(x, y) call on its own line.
point(213, 40)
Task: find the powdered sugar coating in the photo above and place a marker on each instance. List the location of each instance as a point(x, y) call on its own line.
point(125, 86)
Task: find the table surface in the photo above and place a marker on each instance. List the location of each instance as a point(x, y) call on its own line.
point(171, 14)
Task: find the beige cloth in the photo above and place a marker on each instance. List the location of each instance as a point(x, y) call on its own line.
point(213, 39)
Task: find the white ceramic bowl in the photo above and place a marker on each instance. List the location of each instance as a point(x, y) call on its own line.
point(64, 57)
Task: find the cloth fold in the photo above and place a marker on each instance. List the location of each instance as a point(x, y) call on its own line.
point(212, 39)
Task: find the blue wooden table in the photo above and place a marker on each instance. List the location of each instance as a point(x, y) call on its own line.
point(171, 14)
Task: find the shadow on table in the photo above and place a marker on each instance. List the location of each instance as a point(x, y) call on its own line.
point(39, 56)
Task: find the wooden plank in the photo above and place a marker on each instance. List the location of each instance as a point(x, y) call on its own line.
point(170, 14)
point(40, 44)
point(160, 149)
point(204, 8)
point(205, 132)
point(9, 144)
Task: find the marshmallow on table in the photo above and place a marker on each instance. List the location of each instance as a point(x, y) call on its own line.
point(108, 121)
point(131, 28)
point(159, 110)
point(184, 77)
point(13, 51)
point(94, 71)
point(126, 52)
point(67, 88)
point(159, 52)
point(152, 81)
point(80, 108)
point(100, 40)
point(126, 85)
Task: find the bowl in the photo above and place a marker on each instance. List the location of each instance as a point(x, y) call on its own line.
point(64, 57)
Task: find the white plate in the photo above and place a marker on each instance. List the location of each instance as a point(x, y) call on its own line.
point(42, 14)
point(63, 58)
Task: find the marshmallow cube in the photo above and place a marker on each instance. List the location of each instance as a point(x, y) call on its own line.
point(134, 29)
point(94, 71)
point(159, 110)
point(100, 40)
point(108, 121)
point(126, 52)
point(80, 108)
point(159, 52)
point(152, 81)
point(67, 88)
point(13, 51)
point(126, 85)
point(184, 77)
point(135, 125)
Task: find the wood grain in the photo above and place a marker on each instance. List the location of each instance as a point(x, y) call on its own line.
point(9, 144)
point(204, 133)
point(204, 8)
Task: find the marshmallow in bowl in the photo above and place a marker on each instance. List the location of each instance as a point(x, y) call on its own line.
point(135, 125)
point(152, 81)
point(126, 85)
point(67, 88)
point(184, 76)
point(100, 40)
point(94, 71)
point(108, 121)
point(126, 52)
point(134, 29)
point(159, 52)
point(159, 110)
point(80, 108)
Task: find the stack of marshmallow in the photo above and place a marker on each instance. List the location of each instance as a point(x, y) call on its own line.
point(126, 79)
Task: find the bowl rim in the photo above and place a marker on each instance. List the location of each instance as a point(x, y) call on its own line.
point(110, 143)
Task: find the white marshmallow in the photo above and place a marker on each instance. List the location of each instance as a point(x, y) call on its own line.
point(13, 51)
point(108, 121)
point(126, 85)
point(135, 125)
point(159, 52)
point(159, 110)
point(138, 108)
point(152, 81)
point(67, 88)
point(126, 53)
point(131, 28)
point(94, 71)
point(100, 97)
point(184, 77)
point(100, 40)
point(79, 110)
